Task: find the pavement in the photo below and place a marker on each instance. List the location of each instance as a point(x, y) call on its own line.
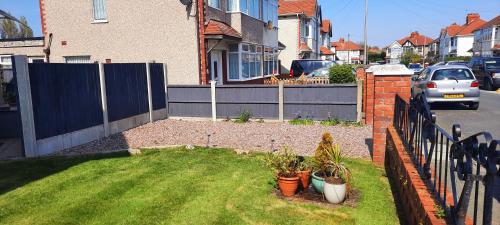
point(486, 118)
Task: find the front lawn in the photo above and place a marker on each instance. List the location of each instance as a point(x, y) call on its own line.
point(173, 186)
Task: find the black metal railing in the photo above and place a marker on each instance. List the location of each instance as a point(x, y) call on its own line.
point(453, 168)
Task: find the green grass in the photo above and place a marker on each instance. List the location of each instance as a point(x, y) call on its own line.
point(301, 122)
point(173, 186)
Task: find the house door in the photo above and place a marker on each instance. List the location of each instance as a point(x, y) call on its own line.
point(216, 66)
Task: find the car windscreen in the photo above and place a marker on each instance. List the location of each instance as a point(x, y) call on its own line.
point(458, 63)
point(309, 66)
point(452, 74)
point(414, 66)
point(492, 64)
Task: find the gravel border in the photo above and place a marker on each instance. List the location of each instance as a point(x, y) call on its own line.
point(252, 136)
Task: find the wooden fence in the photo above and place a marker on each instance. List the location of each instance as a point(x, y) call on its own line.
point(302, 80)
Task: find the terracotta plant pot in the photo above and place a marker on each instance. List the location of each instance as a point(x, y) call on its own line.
point(288, 185)
point(317, 182)
point(304, 178)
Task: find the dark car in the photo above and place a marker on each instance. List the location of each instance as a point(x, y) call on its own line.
point(307, 66)
point(487, 71)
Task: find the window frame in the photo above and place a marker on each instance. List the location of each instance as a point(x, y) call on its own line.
point(105, 11)
point(219, 4)
point(253, 51)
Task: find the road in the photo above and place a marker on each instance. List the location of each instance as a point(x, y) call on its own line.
point(486, 118)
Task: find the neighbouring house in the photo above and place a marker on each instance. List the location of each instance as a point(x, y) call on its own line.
point(433, 54)
point(31, 47)
point(487, 39)
point(416, 43)
point(326, 35)
point(300, 24)
point(230, 41)
point(457, 40)
point(347, 52)
point(393, 53)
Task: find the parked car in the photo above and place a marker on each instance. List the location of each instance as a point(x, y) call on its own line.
point(453, 83)
point(463, 63)
point(306, 66)
point(416, 67)
point(487, 71)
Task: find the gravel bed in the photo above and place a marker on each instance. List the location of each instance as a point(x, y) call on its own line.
point(252, 136)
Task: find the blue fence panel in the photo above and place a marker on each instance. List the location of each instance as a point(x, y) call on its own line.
point(157, 85)
point(10, 123)
point(126, 90)
point(66, 98)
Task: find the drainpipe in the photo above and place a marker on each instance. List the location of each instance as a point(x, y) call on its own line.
point(200, 15)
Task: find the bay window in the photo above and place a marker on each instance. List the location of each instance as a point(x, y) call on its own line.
point(214, 3)
point(270, 11)
point(249, 7)
point(247, 61)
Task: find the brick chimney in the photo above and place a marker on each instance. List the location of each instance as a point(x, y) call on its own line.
point(414, 34)
point(471, 17)
point(341, 40)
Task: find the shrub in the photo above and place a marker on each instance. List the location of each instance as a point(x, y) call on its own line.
point(284, 162)
point(299, 121)
point(341, 74)
point(244, 117)
point(321, 155)
point(330, 122)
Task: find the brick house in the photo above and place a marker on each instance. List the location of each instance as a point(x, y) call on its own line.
point(457, 40)
point(487, 39)
point(230, 41)
point(300, 24)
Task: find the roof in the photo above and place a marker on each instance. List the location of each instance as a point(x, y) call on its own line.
point(416, 39)
point(306, 7)
point(473, 22)
point(326, 27)
point(304, 48)
point(494, 22)
point(343, 45)
point(325, 51)
point(471, 27)
point(215, 27)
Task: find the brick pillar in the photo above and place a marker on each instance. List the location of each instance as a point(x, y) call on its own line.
point(387, 81)
point(369, 98)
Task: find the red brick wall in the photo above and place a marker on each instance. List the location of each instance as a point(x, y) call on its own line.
point(416, 200)
point(42, 16)
point(384, 92)
point(201, 42)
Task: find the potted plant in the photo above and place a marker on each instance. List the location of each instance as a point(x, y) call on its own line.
point(304, 172)
point(285, 163)
point(337, 176)
point(320, 160)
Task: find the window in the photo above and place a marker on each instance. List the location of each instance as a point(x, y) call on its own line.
point(77, 59)
point(100, 10)
point(248, 61)
point(270, 11)
point(214, 3)
point(249, 7)
point(6, 61)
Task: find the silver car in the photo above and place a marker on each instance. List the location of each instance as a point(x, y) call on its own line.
point(451, 83)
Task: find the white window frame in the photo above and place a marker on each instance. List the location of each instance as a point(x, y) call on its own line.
point(100, 20)
point(218, 2)
point(75, 56)
point(236, 8)
point(260, 54)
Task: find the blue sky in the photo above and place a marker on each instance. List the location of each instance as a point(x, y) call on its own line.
point(388, 19)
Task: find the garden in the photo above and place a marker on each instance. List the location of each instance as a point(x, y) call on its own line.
point(197, 185)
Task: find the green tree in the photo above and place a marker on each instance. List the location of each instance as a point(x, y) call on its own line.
point(24, 30)
point(341, 74)
point(410, 57)
point(9, 29)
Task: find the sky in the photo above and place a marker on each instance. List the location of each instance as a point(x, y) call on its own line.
point(388, 20)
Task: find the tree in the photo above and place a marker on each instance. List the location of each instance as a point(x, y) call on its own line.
point(24, 30)
point(410, 57)
point(9, 29)
point(341, 74)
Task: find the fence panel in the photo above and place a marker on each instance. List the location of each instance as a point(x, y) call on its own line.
point(321, 102)
point(126, 90)
point(260, 100)
point(11, 124)
point(66, 98)
point(189, 101)
point(157, 85)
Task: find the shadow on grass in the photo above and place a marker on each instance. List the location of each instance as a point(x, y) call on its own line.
point(15, 174)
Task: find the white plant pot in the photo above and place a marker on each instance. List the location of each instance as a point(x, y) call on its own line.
point(334, 193)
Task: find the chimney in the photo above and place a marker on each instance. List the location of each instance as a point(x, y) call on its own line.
point(471, 17)
point(414, 34)
point(341, 40)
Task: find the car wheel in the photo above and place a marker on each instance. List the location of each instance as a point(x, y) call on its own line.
point(488, 85)
point(474, 105)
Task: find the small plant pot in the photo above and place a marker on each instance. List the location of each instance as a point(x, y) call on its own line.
point(335, 193)
point(305, 177)
point(317, 182)
point(288, 185)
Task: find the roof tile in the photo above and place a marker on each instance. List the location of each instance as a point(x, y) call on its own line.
point(215, 27)
point(307, 7)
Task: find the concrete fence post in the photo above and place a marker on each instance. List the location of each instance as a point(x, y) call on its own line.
point(21, 73)
point(165, 81)
point(150, 94)
point(388, 81)
point(359, 104)
point(214, 104)
point(281, 103)
point(104, 99)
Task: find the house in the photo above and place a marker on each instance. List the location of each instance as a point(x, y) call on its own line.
point(325, 40)
point(416, 43)
point(299, 30)
point(347, 52)
point(487, 39)
point(230, 41)
point(457, 40)
point(393, 53)
point(433, 53)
